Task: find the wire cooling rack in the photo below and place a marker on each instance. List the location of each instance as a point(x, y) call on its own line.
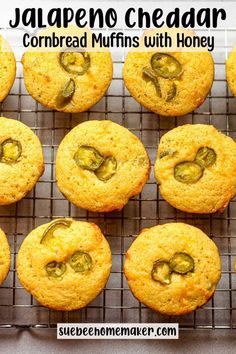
point(44, 203)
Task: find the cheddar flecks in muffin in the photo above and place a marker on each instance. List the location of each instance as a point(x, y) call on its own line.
point(231, 71)
point(169, 83)
point(100, 165)
point(173, 268)
point(5, 256)
point(7, 68)
point(68, 81)
point(64, 264)
point(196, 168)
point(21, 160)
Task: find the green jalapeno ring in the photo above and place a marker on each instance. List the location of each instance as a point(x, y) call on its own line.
point(161, 272)
point(188, 172)
point(205, 157)
point(167, 152)
point(68, 59)
point(107, 169)
point(81, 261)
point(172, 92)
point(66, 93)
point(48, 233)
point(150, 74)
point(166, 65)
point(68, 90)
point(88, 158)
point(181, 263)
point(12, 153)
point(55, 269)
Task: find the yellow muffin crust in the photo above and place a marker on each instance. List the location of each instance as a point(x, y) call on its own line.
point(186, 292)
point(45, 77)
point(18, 178)
point(73, 290)
point(5, 256)
point(7, 68)
point(231, 70)
point(217, 186)
point(82, 187)
point(192, 85)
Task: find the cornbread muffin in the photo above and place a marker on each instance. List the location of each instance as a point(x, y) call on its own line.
point(231, 71)
point(68, 80)
point(169, 83)
point(7, 68)
point(173, 268)
point(5, 256)
point(64, 264)
point(196, 168)
point(21, 160)
point(100, 165)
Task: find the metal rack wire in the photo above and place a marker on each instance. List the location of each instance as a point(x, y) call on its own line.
point(116, 303)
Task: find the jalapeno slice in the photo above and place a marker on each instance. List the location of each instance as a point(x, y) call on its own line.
point(151, 75)
point(80, 261)
point(188, 172)
point(107, 169)
point(182, 263)
point(161, 271)
point(166, 65)
point(68, 90)
point(48, 234)
point(55, 269)
point(172, 92)
point(88, 158)
point(167, 152)
point(71, 62)
point(205, 157)
point(66, 93)
point(10, 150)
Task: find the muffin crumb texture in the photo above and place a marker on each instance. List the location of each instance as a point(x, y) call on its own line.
point(231, 70)
point(7, 68)
point(45, 79)
point(18, 177)
point(85, 187)
point(72, 289)
point(5, 256)
point(216, 184)
point(185, 292)
point(190, 88)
